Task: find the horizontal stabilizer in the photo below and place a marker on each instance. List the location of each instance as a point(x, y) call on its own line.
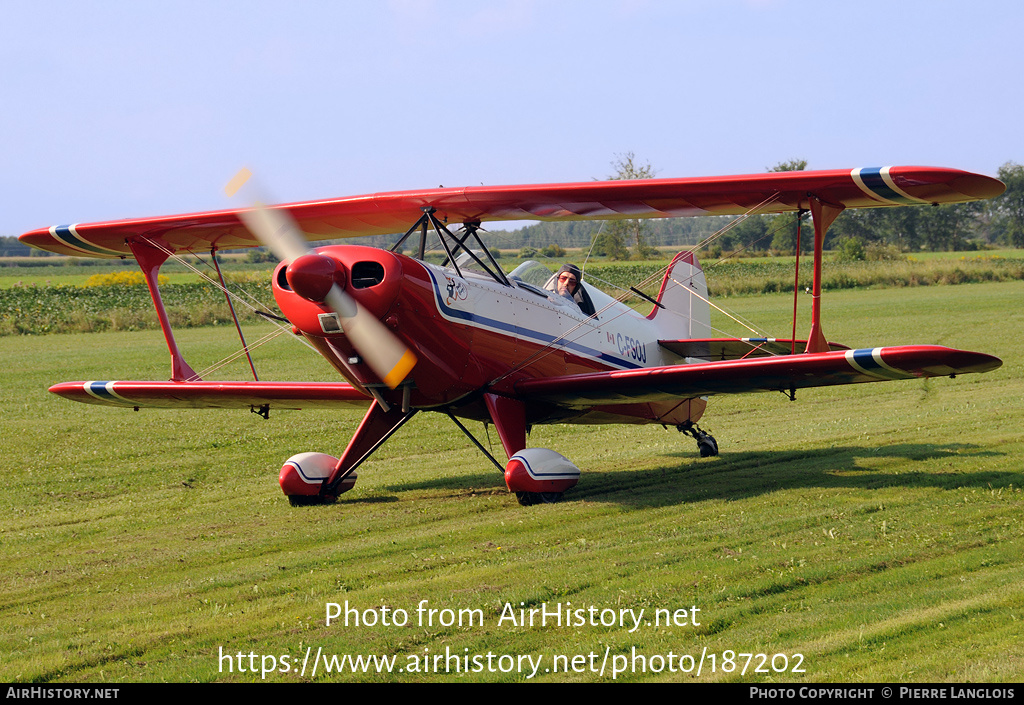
point(737, 348)
point(780, 373)
point(215, 395)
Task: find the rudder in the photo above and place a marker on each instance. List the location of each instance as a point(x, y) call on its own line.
point(684, 295)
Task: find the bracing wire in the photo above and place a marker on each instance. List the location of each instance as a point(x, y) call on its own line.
point(239, 353)
point(259, 308)
point(626, 293)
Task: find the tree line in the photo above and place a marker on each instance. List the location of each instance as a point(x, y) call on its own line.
point(857, 233)
point(951, 227)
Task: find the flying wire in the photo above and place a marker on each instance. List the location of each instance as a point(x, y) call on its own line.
point(255, 309)
point(757, 209)
point(549, 347)
point(239, 353)
point(660, 273)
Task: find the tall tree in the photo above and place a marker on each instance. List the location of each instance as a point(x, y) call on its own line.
point(1009, 208)
point(791, 165)
point(949, 226)
point(750, 234)
point(784, 225)
point(612, 240)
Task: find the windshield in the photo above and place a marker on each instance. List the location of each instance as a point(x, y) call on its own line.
point(531, 272)
point(468, 264)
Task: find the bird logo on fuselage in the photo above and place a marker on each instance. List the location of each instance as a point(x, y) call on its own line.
point(456, 290)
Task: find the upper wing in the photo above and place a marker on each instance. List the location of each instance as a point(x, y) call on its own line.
point(215, 395)
point(781, 373)
point(383, 213)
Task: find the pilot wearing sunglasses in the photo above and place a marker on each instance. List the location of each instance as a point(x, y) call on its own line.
point(567, 283)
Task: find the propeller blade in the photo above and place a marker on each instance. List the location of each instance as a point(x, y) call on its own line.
point(275, 229)
point(386, 355)
point(391, 360)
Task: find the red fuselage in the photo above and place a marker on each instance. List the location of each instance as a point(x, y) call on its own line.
point(472, 334)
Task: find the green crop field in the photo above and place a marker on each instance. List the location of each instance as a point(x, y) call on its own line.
point(864, 533)
point(70, 300)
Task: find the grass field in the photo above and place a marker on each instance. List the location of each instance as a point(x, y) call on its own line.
point(874, 530)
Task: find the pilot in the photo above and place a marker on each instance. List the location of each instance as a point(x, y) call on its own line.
point(567, 282)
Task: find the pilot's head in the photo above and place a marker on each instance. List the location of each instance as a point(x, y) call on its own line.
point(568, 279)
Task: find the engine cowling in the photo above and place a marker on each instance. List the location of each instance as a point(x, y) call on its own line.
point(370, 276)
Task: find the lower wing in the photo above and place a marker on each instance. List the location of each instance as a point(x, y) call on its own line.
point(215, 395)
point(780, 373)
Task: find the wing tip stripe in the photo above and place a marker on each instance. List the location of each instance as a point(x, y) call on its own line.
point(877, 183)
point(104, 391)
point(869, 361)
point(68, 235)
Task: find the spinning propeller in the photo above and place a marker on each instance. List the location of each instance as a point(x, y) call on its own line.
point(315, 277)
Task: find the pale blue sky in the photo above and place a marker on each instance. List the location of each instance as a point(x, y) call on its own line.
point(120, 109)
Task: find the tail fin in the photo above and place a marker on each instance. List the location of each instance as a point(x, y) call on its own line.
point(684, 296)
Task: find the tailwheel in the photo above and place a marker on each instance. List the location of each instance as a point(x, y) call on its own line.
point(706, 443)
point(528, 499)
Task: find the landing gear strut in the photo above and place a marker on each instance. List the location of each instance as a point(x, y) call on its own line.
point(706, 443)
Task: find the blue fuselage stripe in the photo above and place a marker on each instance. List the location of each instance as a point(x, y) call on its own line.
point(521, 332)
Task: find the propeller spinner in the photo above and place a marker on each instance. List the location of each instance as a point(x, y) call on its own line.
point(386, 355)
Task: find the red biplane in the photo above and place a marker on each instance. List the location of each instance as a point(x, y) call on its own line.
point(468, 340)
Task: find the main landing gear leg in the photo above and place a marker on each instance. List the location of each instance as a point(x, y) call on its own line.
point(377, 426)
point(536, 475)
point(706, 443)
point(317, 478)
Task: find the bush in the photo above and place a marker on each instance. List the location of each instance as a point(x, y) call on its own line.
point(877, 252)
point(851, 249)
point(124, 278)
point(260, 255)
